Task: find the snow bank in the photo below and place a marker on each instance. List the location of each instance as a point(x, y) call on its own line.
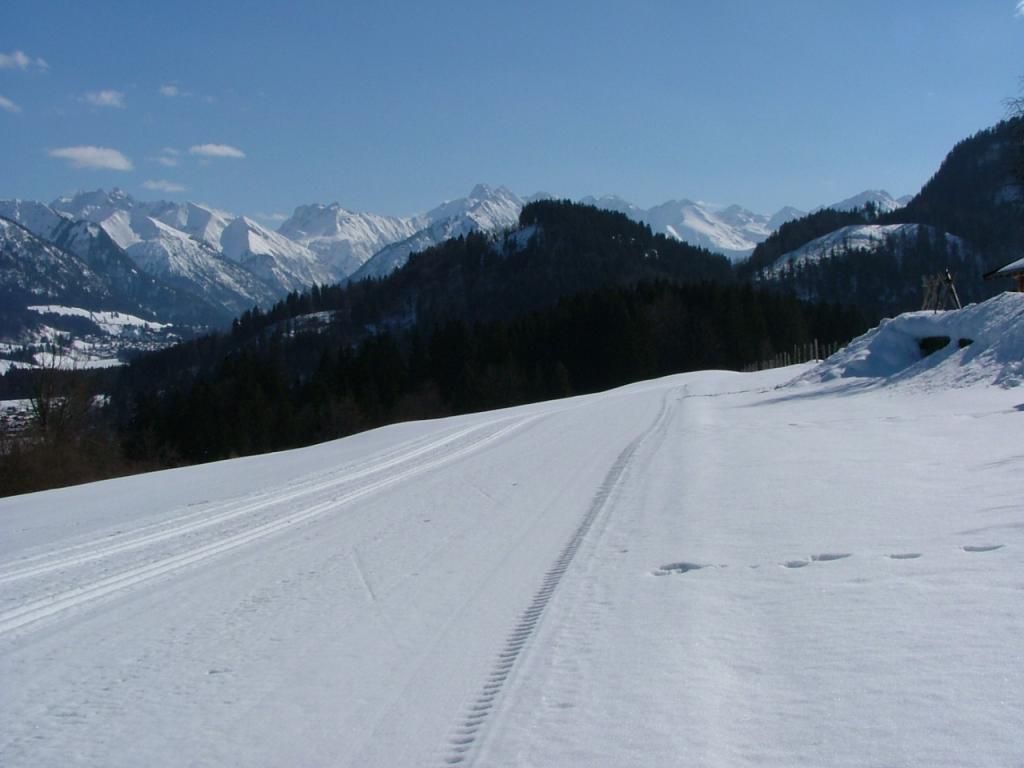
point(985, 345)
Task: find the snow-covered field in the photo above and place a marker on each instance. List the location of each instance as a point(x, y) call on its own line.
point(713, 569)
point(112, 323)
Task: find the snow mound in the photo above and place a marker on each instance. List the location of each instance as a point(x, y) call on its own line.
point(980, 344)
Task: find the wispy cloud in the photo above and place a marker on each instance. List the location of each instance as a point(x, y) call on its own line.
point(168, 157)
point(170, 91)
point(21, 60)
point(9, 106)
point(1020, 8)
point(271, 216)
point(160, 185)
point(216, 150)
point(105, 98)
point(93, 157)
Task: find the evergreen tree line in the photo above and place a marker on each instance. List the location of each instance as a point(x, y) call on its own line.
point(886, 280)
point(561, 249)
point(290, 389)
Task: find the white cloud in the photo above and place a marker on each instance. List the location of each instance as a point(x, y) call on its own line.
point(93, 157)
point(271, 216)
point(8, 105)
point(1020, 7)
point(160, 185)
point(216, 150)
point(169, 90)
point(14, 60)
point(105, 99)
point(21, 60)
point(168, 157)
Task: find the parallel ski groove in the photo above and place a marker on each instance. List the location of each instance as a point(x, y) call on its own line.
point(224, 512)
point(54, 604)
point(467, 736)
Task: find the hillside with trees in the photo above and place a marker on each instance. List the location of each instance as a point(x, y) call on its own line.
point(974, 196)
point(576, 300)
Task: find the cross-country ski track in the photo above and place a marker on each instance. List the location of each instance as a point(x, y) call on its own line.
point(678, 571)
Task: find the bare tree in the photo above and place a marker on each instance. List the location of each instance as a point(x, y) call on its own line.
point(1015, 110)
point(60, 400)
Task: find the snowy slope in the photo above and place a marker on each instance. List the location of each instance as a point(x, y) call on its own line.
point(346, 239)
point(111, 210)
point(201, 222)
point(31, 266)
point(718, 566)
point(867, 237)
point(37, 218)
point(127, 285)
point(285, 265)
point(113, 323)
point(191, 264)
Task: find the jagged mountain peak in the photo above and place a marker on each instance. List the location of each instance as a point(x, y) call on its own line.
point(84, 205)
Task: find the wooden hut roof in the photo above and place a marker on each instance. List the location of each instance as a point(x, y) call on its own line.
point(1012, 269)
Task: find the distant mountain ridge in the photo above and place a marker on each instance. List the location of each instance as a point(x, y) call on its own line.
point(185, 239)
point(483, 210)
point(346, 239)
point(730, 230)
point(879, 198)
point(226, 264)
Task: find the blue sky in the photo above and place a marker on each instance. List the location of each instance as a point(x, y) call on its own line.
point(392, 106)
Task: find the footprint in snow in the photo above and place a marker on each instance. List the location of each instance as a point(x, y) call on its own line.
point(825, 557)
point(671, 568)
point(904, 556)
point(981, 547)
point(828, 557)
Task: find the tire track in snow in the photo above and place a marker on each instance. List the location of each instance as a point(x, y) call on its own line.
point(205, 518)
point(52, 605)
point(468, 736)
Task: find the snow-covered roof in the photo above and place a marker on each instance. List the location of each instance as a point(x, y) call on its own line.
point(1011, 269)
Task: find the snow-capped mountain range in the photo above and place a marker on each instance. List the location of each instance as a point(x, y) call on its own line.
point(346, 239)
point(484, 209)
point(730, 230)
point(882, 200)
point(221, 264)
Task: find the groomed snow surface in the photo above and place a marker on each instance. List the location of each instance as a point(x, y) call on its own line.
point(713, 569)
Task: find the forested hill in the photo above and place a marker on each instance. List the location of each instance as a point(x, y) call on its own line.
point(977, 195)
point(559, 249)
point(575, 300)
point(796, 233)
point(969, 218)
